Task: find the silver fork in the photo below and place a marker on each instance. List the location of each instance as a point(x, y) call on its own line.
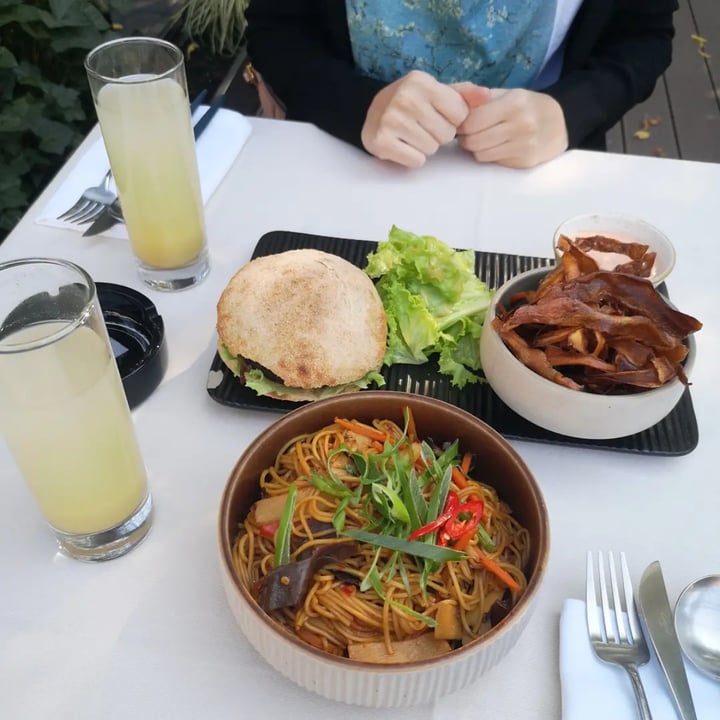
point(91, 203)
point(613, 625)
point(95, 199)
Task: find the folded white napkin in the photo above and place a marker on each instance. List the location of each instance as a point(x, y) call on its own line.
point(217, 148)
point(594, 690)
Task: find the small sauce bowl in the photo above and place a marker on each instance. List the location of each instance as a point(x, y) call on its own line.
point(625, 229)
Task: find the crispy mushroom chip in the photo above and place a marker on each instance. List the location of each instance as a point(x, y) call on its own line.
point(607, 332)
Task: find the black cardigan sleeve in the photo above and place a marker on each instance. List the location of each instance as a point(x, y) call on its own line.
point(614, 54)
point(302, 49)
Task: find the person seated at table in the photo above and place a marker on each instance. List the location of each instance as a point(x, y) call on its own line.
point(516, 82)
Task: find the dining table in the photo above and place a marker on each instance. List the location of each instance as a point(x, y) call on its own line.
point(150, 634)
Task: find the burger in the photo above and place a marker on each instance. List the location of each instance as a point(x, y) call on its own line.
point(302, 325)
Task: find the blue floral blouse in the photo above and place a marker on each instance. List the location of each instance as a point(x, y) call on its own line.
point(497, 43)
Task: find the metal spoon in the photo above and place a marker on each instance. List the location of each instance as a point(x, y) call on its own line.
point(697, 623)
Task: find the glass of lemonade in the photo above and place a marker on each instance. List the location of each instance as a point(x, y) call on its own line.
point(140, 94)
point(63, 411)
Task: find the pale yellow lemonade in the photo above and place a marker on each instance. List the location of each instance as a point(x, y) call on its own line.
point(148, 135)
point(65, 418)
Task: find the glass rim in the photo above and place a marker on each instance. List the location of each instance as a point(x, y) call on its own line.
point(77, 321)
point(135, 40)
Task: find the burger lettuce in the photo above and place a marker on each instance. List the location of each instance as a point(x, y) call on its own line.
point(434, 303)
point(255, 379)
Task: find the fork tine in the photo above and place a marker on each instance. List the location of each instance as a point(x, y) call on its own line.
point(591, 608)
point(619, 603)
point(633, 621)
point(79, 212)
point(77, 215)
point(75, 208)
point(610, 630)
point(90, 213)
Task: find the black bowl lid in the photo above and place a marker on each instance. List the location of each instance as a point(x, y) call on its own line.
point(137, 336)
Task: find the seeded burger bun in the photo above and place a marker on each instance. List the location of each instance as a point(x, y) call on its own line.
point(302, 325)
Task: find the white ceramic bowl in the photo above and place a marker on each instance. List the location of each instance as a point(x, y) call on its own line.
point(625, 229)
point(363, 683)
point(557, 408)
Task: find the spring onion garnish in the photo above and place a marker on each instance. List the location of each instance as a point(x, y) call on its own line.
point(331, 487)
point(486, 541)
point(411, 547)
point(284, 531)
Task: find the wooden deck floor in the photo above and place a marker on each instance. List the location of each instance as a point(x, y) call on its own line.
point(682, 117)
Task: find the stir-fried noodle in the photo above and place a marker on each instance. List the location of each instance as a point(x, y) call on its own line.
point(360, 592)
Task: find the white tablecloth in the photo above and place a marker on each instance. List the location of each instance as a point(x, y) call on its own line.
point(149, 635)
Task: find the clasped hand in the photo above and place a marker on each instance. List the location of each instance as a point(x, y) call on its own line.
point(411, 118)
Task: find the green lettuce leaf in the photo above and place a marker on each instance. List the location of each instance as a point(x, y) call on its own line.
point(262, 386)
point(434, 303)
point(234, 362)
point(256, 380)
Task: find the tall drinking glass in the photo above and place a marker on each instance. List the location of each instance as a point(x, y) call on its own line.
point(63, 411)
point(140, 94)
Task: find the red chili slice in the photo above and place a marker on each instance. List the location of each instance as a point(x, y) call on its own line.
point(466, 518)
point(451, 506)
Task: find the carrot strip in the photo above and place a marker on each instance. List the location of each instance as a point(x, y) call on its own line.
point(377, 446)
point(420, 465)
point(496, 570)
point(411, 429)
point(465, 465)
point(360, 429)
point(464, 540)
point(458, 478)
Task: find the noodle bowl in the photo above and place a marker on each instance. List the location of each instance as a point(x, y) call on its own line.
point(360, 598)
point(342, 609)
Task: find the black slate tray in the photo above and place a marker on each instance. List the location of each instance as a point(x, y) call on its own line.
point(676, 434)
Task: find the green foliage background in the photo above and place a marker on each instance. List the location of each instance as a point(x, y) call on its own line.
point(45, 103)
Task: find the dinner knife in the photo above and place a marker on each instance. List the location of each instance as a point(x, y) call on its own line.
point(655, 611)
point(112, 215)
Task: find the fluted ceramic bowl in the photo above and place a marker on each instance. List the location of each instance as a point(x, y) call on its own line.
point(369, 684)
point(557, 408)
